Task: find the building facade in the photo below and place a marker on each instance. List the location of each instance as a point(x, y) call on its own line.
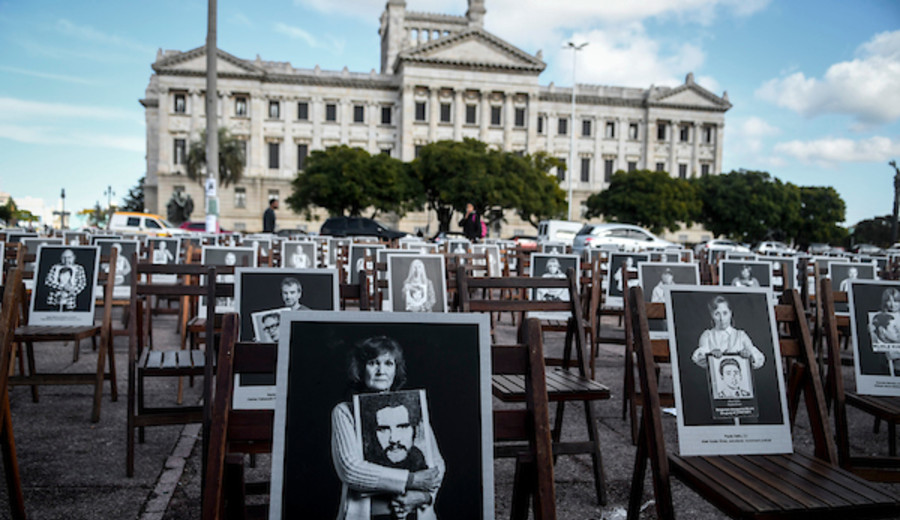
point(441, 77)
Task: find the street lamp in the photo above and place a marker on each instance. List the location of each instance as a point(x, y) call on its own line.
point(62, 213)
point(571, 168)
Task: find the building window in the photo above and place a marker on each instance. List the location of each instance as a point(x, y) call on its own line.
point(417, 151)
point(386, 115)
point(562, 127)
point(273, 156)
point(445, 112)
point(240, 197)
point(420, 111)
point(632, 166)
point(496, 115)
point(180, 103)
point(704, 170)
point(661, 131)
point(561, 170)
point(386, 151)
point(586, 128)
point(610, 129)
point(243, 146)
point(273, 194)
point(274, 110)
point(608, 166)
point(240, 106)
point(540, 124)
point(708, 134)
point(684, 133)
point(660, 167)
point(585, 169)
point(682, 171)
point(520, 118)
point(302, 152)
point(359, 114)
point(179, 155)
point(633, 131)
point(302, 111)
point(471, 114)
point(331, 112)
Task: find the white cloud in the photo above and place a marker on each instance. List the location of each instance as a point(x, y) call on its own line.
point(88, 33)
point(296, 33)
point(828, 151)
point(44, 135)
point(48, 75)
point(865, 87)
point(22, 109)
point(748, 135)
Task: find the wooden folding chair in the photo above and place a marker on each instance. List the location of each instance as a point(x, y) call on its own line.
point(9, 316)
point(752, 486)
point(28, 335)
point(563, 384)
point(871, 467)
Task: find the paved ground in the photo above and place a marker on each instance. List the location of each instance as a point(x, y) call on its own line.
point(74, 469)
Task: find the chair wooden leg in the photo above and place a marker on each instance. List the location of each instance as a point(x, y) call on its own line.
point(98, 385)
point(892, 438)
point(11, 462)
point(596, 456)
point(111, 361)
point(522, 479)
point(876, 425)
point(29, 352)
point(637, 477)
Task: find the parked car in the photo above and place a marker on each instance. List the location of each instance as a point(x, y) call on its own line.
point(358, 226)
point(141, 223)
point(721, 244)
point(292, 233)
point(776, 248)
point(443, 236)
point(867, 249)
point(558, 231)
point(200, 227)
point(526, 242)
point(625, 236)
point(818, 248)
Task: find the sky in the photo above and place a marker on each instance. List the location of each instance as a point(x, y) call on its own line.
point(815, 84)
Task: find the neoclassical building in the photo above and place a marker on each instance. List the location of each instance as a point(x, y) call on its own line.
point(441, 77)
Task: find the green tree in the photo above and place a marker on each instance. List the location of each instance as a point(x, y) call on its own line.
point(875, 231)
point(822, 209)
point(346, 180)
point(134, 200)
point(749, 206)
point(8, 212)
point(231, 159)
point(647, 198)
point(96, 216)
point(537, 193)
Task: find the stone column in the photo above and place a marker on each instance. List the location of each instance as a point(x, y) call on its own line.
point(459, 113)
point(485, 115)
point(433, 113)
point(405, 126)
point(507, 118)
point(673, 165)
point(694, 168)
point(345, 115)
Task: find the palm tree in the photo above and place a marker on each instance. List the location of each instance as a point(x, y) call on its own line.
point(231, 158)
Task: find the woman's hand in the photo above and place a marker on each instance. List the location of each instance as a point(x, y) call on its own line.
point(716, 353)
point(745, 353)
point(425, 480)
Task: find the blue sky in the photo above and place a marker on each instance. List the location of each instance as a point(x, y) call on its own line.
point(815, 84)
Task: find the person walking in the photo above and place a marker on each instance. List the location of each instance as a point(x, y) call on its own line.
point(471, 223)
point(269, 216)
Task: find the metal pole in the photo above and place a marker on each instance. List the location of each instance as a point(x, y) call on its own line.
point(896, 202)
point(212, 130)
point(571, 166)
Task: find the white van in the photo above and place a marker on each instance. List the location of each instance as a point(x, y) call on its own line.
point(142, 223)
point(558, 231)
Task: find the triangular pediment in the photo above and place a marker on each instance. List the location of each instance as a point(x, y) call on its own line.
point(475, 48)
point(195, 61)
point(690, 95)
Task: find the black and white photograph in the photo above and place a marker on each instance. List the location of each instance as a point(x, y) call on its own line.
point(711, 325)
point(458, 247)
point(125, 250)
point(107, 236)
point(334, 246)
point(745, 273)
point(262, 294)
point(353, 373)
point(299, 254)
point(784, 270)
point(164, 251)
point(553, 248)
point(493, 259)
point(357, 259)
point(551, 266)
point(421, 247)
point(875, 334)
point(670, 256)
point(263, 244)
point(417, 283)
point(65, 279)
point(842, 274)
point(75, 238)
point(733, 255)
point(31, 245)
point(226, 257)
point(622, 266)
point(655, 277)
point(14, 237)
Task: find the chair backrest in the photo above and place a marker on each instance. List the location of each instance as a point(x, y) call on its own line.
point(13, 291)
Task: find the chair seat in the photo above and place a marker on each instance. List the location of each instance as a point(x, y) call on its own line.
point(55, 332)
point(562, 385)
point(887, 408)
point(161, 363)
point(789, 486)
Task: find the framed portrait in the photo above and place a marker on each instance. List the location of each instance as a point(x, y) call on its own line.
point(126, 250)
point(493, 258)
point(262, 244)
point(96, 238)
point(227, 257)
point(357, 259)
point(75, 238)
point(670, 256)
point(164, 251)
point(842, 274)
point(458, 246)
point(784, 270)
point(875, 333)
point(334, 246)
point(544, 265)
point(14, 237)
point(381, 257)
point(727, 371)
point(745, 273)
point(553, 248)
point(31, 245)
point(655, 277)
point(65, 280)
point(417, 283)
point(421, 247)
point(621, 264)
point(299, 254)
point(732, 255)
point(334, 368)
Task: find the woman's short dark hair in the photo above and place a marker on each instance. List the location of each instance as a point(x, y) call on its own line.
point(367, 350)
point(714, 304)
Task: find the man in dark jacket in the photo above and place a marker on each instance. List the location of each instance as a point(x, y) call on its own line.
point(471, 223)
point(269, 216)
